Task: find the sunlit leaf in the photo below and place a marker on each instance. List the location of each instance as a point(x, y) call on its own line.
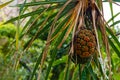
point(59, 61)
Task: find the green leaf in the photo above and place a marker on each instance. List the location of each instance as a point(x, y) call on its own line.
point(114, 16)
point(67, 72)
point(27, 24)
point(61, 75)
point(116, 22)
point(38, 11)
point(114, 47)
point(38, 34)
point(61, 60)
point(53, 55)
point(54, 52)
point(22, 7)
point(98, 65)
point(25, 15)
point(41, 3)
point(111, 9)
point(84, 74)
point(89, 68)
point(5, 4)
point(75, 73)
point(36, 66)
point(113, 36)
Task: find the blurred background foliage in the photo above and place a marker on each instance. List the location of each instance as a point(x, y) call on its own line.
point(31, 35)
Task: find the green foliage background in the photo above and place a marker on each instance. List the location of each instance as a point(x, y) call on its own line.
point(22, 48)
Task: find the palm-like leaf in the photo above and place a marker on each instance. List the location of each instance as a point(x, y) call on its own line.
point(61, 19)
